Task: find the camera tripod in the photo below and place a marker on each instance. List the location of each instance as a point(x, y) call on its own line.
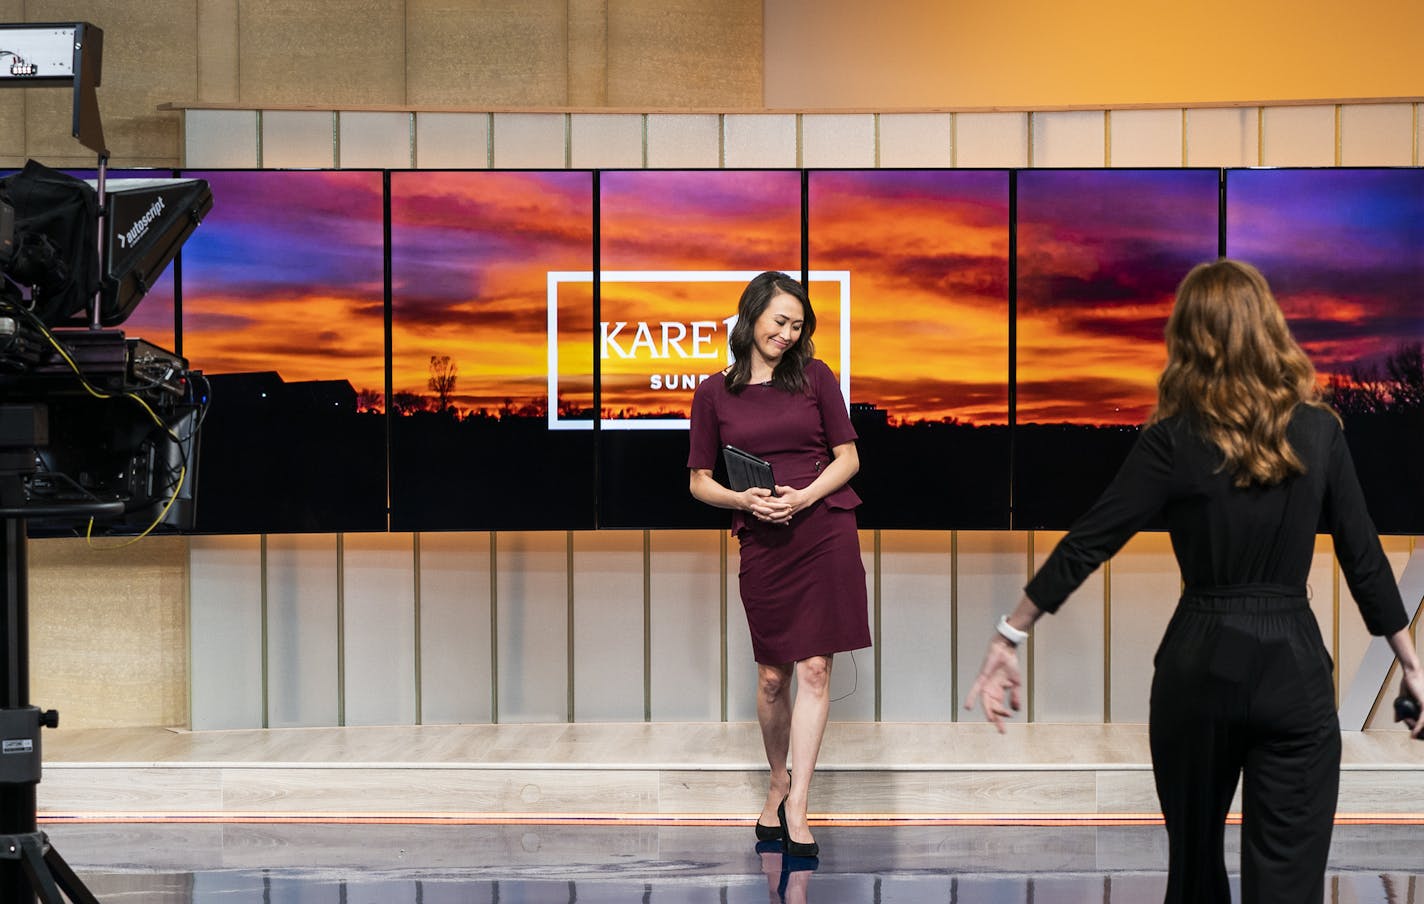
point(30, 868)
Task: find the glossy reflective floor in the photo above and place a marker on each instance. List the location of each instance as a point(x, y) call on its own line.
point(434, 864)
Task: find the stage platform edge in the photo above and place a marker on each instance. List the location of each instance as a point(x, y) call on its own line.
point(653, 773)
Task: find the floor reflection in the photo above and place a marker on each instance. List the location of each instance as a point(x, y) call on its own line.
point(383, 864)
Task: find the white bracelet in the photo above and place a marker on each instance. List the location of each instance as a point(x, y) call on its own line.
point(1007, 631)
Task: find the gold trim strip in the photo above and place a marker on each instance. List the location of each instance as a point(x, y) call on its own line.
point(877, 635)
point(1186, 156)
point(722, 614)
point(415, 590)
point(494, 626)
point(647, 626)
point(1029, 651)
point(266, 650)
point(954, 625)
point(1107, 641)
point(569, 621)
point(1107, 164)
point(340, 629)
point(336, 139)
point(954, 140)
point(1339, 135)
point(1260, 136)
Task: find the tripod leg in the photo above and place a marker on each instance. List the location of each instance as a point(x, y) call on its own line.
point(32, 859)
point(76, 889)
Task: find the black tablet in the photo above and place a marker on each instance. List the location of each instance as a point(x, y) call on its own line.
point(746, 470)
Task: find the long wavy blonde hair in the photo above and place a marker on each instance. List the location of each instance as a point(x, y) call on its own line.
point(1235, 372)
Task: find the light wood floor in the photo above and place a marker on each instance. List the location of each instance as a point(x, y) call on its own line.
point(644, 770)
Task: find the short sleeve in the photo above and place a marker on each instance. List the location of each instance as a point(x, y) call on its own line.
point(834, 417)
point(704, 432)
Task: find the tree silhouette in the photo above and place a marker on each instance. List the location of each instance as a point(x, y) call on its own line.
point(409, 403)
point(443, 374)
point(372, 400)
point(1398, 387)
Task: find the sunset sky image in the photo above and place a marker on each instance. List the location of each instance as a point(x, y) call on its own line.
point(1100, 254)
point(1343, 251)
point(470, 257)
point(927, 254)
point(285, 274)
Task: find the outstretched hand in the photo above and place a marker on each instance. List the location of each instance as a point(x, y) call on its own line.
point(998, 677)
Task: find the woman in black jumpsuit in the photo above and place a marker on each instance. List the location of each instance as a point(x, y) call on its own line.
point(1243, 681)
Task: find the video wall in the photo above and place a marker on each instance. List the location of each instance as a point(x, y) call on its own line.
point(477, 350)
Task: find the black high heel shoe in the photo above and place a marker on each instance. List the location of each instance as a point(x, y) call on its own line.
point(771, 833)
point(768, 833)
point(794, 848)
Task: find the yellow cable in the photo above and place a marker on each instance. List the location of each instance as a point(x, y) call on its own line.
point(89, 532)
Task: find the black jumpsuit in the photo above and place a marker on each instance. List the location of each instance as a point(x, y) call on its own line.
point(1243, 680)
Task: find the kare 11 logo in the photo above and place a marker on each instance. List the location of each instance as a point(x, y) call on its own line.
point(663, 332)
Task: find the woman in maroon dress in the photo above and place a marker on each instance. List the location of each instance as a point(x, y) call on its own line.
point(802, 580)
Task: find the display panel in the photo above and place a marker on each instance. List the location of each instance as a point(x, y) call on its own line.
point(283, 310)
point(1099, 256)
point(926, 259)
point(1343, 251)
point(477, 319)
point(677, 248)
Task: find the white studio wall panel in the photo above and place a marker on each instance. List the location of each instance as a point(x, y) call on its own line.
point(295, 138)
point(1076, 138)
point(608, 626)
point(916, 139)
point(225, 593)
point(685, 625)
point(378, 629)
point(1377, 135)
point(853, 674)
point(456, 656)
point(530, 140)
point(684, 140)
point(1229, 136)
point(991, 139)
point(606, 140)
point(220, 138)
point(759, 140)
point(1145, 138)
point(302, 639)
point(1298, 136)
point(452, 140)
point(375, 140)
point(1145, 585)
point(993, 568)
point(1069, 655)
point(532, 612)
point(845, 140)
point(916, 624)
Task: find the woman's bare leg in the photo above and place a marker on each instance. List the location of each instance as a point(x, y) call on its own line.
point(774, 714)
point(808, 726)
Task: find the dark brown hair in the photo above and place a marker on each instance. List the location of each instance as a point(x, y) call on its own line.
point(790, 372)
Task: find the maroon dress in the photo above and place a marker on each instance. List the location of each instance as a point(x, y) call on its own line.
point(803, 584)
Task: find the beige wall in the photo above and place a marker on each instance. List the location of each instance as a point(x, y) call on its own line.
point(109, 631)
point(472, 54)
point(1110, 53)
